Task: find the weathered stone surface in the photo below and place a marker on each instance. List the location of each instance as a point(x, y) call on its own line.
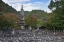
point(28, 36)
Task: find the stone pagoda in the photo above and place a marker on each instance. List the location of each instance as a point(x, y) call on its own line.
point(22, 22)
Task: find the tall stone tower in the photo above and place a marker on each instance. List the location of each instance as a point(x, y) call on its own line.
point(22, 22)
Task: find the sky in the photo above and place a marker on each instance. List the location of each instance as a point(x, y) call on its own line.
point(29, 5)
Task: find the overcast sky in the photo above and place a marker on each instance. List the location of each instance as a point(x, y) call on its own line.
point(29, 5)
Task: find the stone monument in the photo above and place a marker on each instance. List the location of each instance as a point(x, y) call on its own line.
point(22, 22)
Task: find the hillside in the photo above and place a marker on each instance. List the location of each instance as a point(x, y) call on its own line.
point(5, 8)
point(39, 13)
point(32, 18)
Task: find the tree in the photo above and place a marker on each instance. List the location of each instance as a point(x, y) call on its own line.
point(51, 5)
point(31, 21)
point(13, 18)
point(1, 21)
point(9, 20)
point(4, 23)
point(58, 20)
point(39, 22)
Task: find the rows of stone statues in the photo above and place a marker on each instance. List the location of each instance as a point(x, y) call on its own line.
point(31, 36)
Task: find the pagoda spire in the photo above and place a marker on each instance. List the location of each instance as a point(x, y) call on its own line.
point(21, 7)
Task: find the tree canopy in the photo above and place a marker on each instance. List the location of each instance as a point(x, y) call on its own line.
point(57, 7)
point(9, 20)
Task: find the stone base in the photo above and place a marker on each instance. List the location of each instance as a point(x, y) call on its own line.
point(22, 27)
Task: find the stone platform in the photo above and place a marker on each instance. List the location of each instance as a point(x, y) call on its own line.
point(32, 36)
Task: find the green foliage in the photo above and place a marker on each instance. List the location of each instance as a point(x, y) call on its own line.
point(31, 21)
point(4, 22)
point(39, 22)
point(9, 20)
point(39, 13)
point(43, 17)
point(51, 5)
point(57, 21)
